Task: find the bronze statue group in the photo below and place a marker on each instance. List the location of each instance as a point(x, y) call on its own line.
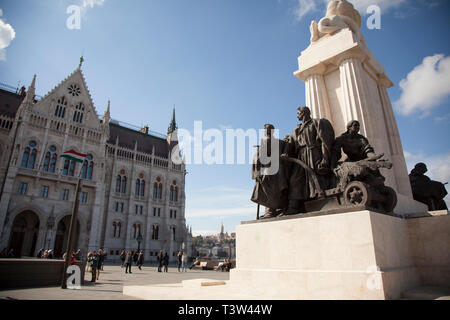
point(317, 170)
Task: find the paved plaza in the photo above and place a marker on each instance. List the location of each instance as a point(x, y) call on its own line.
point(111, 282)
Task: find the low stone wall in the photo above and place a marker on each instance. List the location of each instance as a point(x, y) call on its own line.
point(26, 273)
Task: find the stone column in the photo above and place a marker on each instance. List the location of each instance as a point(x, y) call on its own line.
point(316, 93)
point(395, 145)
point(354, 94)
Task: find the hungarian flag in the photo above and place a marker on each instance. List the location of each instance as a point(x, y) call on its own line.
point(73, 155)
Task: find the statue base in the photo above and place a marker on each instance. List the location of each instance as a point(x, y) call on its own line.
point(353, 255)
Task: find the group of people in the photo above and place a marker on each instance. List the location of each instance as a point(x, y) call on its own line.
point(132, 256)
point(95, 261)
point(7, 253)
point(225, 266)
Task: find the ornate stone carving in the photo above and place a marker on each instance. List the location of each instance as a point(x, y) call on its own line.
point(340, 15)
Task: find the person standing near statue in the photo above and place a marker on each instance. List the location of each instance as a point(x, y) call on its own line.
point(271, 183)
point(311, 143)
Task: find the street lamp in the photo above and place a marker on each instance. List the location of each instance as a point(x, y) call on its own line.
point(139, 239)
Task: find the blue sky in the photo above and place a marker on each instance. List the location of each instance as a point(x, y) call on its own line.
point(230, 64)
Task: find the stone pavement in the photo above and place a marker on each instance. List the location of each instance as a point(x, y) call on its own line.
point(109, 286)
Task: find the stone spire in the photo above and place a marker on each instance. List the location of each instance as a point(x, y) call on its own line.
point(173, 124)
point(81, 62)
point(107, 114)
point(31, 92)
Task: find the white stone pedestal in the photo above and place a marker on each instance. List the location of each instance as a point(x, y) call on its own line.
point(355, 255)
point(345, 82)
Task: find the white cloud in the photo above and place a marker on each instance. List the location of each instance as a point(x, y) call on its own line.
point(7, 34)
point(425, 86)
point(306, 6)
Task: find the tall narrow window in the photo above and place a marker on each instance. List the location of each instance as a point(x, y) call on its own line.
point(44, 192)
point(155, 190)
point(88, 167)
point(137, 190)
point(60, 110)
point(50, 160)
point(29, 155)
point(123, 187)
point(142, 188)
point(118, 182)
point(22, 188)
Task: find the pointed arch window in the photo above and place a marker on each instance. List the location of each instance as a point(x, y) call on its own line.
point(60, 110)
point(173, 194)
point(140, 187)
point(155, 232)
point(123, 187)
point(117, 226)
point(29, 155)
point(88, 167)
point(78, 113)
point(50, 160)
point(118, 182)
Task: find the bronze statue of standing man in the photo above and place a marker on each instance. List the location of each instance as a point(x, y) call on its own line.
point(311, 142)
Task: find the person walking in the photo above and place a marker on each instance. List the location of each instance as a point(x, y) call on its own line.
point(140, 260)
point(179, 257)
point(160, 260)
point(128, 261)
point(122, 257)
point(73, 259)
point(88, 259)
point(166, 262)
point(101, 258)
point(135, 257)
point(184, 262)
point(94, 263)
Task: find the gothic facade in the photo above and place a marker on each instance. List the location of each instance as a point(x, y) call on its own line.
point(131, 190)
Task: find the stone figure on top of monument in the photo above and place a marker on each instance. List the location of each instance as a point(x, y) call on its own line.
point(340, 15)
point(425, 190)
point(270, 190)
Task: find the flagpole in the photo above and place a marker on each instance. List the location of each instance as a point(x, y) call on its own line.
point(73, 223)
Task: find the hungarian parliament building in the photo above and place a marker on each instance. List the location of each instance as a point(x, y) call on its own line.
point(132, 194)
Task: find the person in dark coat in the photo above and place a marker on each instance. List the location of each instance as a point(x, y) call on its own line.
point(311, 142)
point(166, 262)
point(179, 256)
point(101, 259)
point(122, 257)
point(140, 260)
point(93, 261)
point(135, 257)
point(128, 261)
point(271, 179)
point(160, 260)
